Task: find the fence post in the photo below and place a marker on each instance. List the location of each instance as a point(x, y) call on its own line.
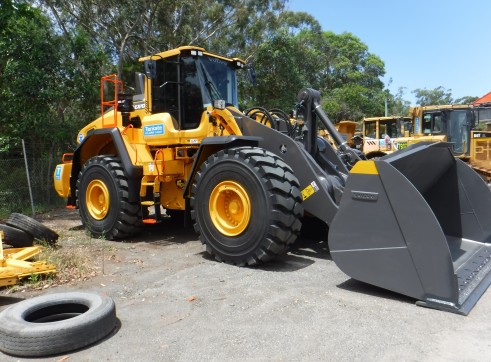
point(28, 177)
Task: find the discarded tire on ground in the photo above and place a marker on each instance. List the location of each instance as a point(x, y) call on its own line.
point(56, 323)
point(33, 227)
point(15, 237)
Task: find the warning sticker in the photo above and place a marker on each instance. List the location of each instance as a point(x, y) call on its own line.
point(311, 189)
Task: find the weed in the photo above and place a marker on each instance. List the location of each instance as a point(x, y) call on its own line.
point(34, 278)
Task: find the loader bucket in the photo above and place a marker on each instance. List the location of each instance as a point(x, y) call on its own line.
point(417, 222)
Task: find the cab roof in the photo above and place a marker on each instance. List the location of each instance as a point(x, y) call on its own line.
point(188, 48)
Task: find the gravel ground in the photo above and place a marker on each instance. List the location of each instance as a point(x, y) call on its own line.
point(174, 303)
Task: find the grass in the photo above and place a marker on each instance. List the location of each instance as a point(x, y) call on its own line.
point(77, 257)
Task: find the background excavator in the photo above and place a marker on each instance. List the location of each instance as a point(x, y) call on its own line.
point(416, 222)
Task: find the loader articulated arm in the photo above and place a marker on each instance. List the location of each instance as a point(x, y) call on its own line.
point(309, 104)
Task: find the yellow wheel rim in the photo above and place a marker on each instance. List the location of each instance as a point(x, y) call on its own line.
point(230, 208)
point(97, 199)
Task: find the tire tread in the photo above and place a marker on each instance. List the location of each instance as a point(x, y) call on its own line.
point(128, 219)
point(283, 190)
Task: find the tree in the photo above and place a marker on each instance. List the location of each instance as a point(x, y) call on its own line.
point(439, 95)
point(339, 66)
point(130, 29)
point(288, 49)
point(48, 82)
point(397, 105)
point(465, 100)
point(282, 69)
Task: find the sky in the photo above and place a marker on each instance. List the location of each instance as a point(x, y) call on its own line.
point(424, 44)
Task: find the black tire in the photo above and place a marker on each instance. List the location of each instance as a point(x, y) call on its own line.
point(272, 206)
point(15, 237)
point(103, 199)
point(56, 323)
point(33, 227)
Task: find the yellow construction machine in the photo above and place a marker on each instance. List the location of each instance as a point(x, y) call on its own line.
point(347, 130)
point(416, 222)
point(461, 125)
point(384, 135)
point(451, 123)
point(455, 124)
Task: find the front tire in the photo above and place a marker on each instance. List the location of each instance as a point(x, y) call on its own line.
point(246, 205)
point(103, 199)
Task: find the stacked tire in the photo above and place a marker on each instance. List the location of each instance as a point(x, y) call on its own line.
point(20, 231)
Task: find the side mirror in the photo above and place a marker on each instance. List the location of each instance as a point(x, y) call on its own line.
point(151, 68)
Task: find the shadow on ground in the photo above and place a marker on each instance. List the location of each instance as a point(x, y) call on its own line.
point(356, 286)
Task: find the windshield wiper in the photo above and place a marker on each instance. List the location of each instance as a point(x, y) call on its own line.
point(210, 86)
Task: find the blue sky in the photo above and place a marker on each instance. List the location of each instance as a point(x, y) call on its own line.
point(424, 44)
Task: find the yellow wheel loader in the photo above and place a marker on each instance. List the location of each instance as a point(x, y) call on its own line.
point(416, 222)
point(463, 126)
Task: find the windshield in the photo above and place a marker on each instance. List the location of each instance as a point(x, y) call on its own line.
point(385, 128)
point(388, 128)
point(219, 79)
point(458, 131)
point(370, 129)
point(483, 114)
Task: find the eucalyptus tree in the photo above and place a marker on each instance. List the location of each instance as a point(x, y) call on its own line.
point(129, 29)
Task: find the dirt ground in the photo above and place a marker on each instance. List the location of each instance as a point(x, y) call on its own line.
point(175, 303)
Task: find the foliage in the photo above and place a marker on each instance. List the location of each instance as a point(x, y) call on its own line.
point(48, 82)
point(439, 95)
point(130, 29)
point(288, 49)
point(350, 77)
point(397, 105)
point(465, 100)
point(340, 66)
point(281, 72)
point(53, 52)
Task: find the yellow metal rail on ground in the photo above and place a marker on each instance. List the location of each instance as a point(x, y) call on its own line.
point(14, 265)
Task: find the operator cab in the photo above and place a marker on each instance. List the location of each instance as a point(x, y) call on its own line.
point(185, 81)
point(455, 123)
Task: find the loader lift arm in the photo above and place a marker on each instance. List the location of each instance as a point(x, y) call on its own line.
point(309, 103)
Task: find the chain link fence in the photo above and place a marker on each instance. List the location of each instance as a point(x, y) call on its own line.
point(26, 180)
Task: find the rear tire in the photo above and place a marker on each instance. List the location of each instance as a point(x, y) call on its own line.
point(103, 199)
point(246, 205)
